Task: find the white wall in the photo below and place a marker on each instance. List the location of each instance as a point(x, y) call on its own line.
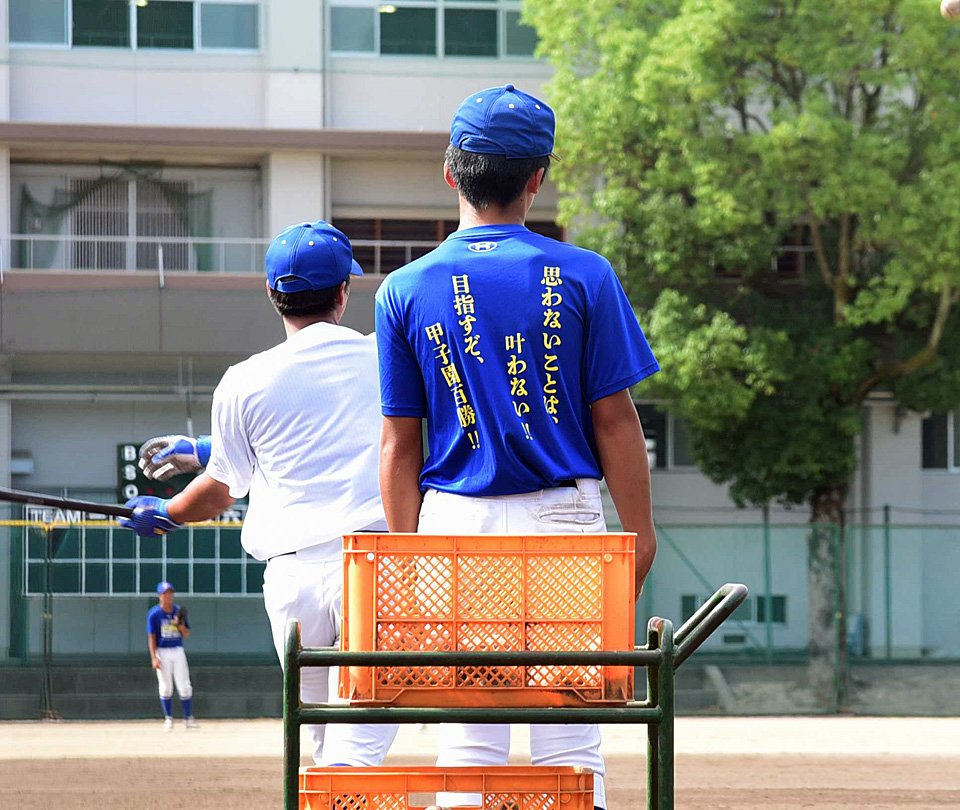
point(295, 189)
point(4, 62)
point(116, 86)
point(416, 95)
point(293, 90)
point(74, 444)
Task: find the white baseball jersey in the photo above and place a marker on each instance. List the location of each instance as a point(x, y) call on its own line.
point(267, 414)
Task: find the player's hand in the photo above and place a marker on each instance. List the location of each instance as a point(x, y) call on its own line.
point(156, 662)
point(162, 457)
point(150, 517)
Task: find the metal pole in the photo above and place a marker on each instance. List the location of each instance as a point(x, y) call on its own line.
point(653, 729)
point(840, 620)
point(662, 763)
point(48, 712)
point(767, 583)
point(291, 716)
point(887, 586)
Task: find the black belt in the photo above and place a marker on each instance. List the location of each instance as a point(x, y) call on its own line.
point(570, 482)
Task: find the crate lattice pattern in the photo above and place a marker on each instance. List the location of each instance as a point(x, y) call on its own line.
point(416, 610)
point(399, 801)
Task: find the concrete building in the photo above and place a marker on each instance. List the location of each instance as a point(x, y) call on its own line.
point(148, 151)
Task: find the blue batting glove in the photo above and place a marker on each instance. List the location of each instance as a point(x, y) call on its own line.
point(150, 517)
point(166, 456)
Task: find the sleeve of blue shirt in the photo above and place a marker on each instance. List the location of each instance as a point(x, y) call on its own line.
point(153, 624)
point(617, 354)
point(401, 381)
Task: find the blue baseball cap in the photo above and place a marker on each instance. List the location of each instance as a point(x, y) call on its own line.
point(310, 256)
point(163, 587)
point(504, 121)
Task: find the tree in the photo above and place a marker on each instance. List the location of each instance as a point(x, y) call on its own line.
point(699, 139)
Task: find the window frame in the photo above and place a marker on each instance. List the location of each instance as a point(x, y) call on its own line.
point(198, 46)
point(500, 7)
point(952, 439)
point(666, 460)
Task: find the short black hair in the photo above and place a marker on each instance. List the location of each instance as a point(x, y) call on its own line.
point(486, 180)
point(306, 302)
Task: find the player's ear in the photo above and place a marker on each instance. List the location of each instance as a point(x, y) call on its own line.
point(536, 180)
point(448, 177)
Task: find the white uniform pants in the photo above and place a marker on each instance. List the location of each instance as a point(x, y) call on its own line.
point(174, 670)
point(310, 591)
point(563, 510)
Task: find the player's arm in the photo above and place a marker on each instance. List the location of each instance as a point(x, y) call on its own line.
point(401, 460)
point(623, 458)
point(203, 498)
point(152, 647)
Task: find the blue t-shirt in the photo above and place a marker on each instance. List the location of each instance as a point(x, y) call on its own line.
point(502, 339)
point(160, 625)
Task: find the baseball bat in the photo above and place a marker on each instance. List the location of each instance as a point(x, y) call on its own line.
point(36, 499)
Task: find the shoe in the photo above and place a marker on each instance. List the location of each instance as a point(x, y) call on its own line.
point(191, 722)
point(168, 724)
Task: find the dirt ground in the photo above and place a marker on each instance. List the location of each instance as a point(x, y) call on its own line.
point(788, 763)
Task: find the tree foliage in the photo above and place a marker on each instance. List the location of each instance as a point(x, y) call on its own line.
point(701, 137)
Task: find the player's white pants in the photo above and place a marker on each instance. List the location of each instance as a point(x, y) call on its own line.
point(310, 591)
point(563, 510)
point(174, 670)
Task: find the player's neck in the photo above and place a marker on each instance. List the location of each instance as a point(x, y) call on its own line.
point(294, 323)
point(513, 214)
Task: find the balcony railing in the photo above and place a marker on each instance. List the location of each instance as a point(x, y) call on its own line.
point(175, 254)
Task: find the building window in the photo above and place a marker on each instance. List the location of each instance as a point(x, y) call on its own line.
point(940, 441)
point(470, 32)
point(230, 26)
point(668, 441)
point(40, 21)
point(455, 28)
point(382, 245)
point(409, 31)
point(166, 24)
point(108, 209)
point(681, 452)
point(654, 423)
point(180, 24)
point(136, 217)
point(778, 609)
point(101, 23)
point(752, 609)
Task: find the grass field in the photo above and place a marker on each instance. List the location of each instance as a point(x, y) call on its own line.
point(745, 763)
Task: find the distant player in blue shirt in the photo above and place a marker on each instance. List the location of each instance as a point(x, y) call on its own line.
point(167, 627)
point(519, 351)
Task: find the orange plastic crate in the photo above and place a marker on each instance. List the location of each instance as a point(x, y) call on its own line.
point(508, 787)
point(488, 592)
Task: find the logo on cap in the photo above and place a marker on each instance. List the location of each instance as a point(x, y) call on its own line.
point(482, 247)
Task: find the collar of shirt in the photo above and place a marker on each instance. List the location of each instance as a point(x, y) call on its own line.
point(488, 230)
